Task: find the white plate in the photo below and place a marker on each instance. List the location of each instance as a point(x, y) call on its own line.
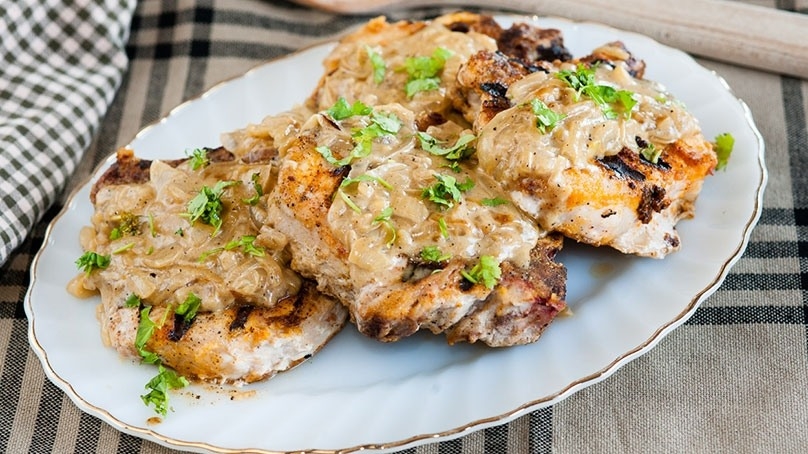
point(361, 394)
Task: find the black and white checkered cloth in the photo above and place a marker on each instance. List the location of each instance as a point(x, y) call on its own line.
point(734, 378)
point(62, 64)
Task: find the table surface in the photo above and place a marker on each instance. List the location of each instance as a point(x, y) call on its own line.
point(733, 378)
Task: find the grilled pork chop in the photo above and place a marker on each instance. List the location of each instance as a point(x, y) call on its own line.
point(255, 316)
point(383, 232)
point(589, 148)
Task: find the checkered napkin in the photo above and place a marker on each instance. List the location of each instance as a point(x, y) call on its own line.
point(62, 63)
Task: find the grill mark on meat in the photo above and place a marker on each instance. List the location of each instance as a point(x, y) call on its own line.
point(652, 201)
point(532, 44)
point(179, 328)
point(240, 318)
point(495, 89)
point(621, 167)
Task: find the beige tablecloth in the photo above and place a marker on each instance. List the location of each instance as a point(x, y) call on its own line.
point(733, 378)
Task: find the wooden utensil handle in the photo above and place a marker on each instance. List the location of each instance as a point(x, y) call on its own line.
point(743, 34)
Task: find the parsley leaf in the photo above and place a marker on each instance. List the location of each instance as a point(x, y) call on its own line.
point(379, 67)
point(495, 202)
point(342, 110)
point(259, 190)
point(546, 118)
point(90, 261)
point(459, 151)
point(384, 218)
point(380, 125)
point(189, 307)
point(446, 191)
point(145, 329)
point(129, 225)
point(132, 301)
point(650, 153)
point(433, 254)
point(424, 70)
point(444, 229)
point(159, 386)
point(247, 245)
point(724, 143)
point(610, 100)
point(486, 271)
point(361, 178)
point(198, 158)
point(166, 378)
point(207, 205)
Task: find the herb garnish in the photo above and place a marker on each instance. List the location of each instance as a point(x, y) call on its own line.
point(457, 152)
point(384, 218)
point(433, 254)
point(247, 246)
point(198, 158)
point(724, 143)
point(129, 225)
point(380, 125)
point(361, 178)
point(446, 191)
point(610, 100)
point(444, 229)
point(424, 70)
point(546, 118)
point(487, 271)
point(207, 205)
point(166, 378)
point(379, 67)
point(342, 110)
point(259, 190)
point(90, 261)
point(495, 202)
point(188, 308)
point(132, 301)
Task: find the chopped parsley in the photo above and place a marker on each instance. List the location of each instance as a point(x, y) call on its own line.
point(486, 271)
point(166, 379)
point(207, 205)
point(424, 71)
point(90, 261)
point(129, 225)
point(546, 118)
point(259, 190)
point(611, 101)
point(433, 254)
point(376, 61)
point(132, 301)
point(124, 248)
point(443, 228)
point(152, 228)
point(342, 110)
point(158, 387)
point(446, 191)
point(462, 148)
point(246, 242)
point(648, 151)
point(198, 158)
point(494, 202)
point(361, 178)
point(723, 145)
point(188, 308)
point(384, 218)
point(380, 125)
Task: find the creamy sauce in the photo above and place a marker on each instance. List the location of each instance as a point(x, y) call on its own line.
point(471, 228)
point(511, 147)
point(170, 257)
point(353, 77)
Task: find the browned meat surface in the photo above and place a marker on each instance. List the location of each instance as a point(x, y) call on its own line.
point(390, 291)
point(255, 317)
